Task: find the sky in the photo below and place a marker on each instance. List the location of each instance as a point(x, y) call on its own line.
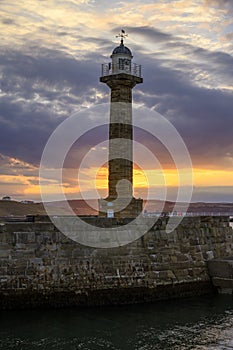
point(50, 64)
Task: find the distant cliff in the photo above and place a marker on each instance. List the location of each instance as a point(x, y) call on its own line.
point(81, 207)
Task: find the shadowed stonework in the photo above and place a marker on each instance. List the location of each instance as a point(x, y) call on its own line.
point(41, 266)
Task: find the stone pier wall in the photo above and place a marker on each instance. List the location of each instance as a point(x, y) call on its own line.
point(41, 266)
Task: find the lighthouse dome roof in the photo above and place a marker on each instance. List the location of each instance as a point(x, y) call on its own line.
point(122, 49)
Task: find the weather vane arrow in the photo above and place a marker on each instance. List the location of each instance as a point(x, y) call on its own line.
point(122, 35)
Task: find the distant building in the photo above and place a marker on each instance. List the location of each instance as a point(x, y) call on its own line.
point(27, 202)
point(6, 198)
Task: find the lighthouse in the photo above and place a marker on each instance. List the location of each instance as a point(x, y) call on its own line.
point(121, 75)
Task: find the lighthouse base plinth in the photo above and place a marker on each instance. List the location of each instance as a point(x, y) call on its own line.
point(120, 207)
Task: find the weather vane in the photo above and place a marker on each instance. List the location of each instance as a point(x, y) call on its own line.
point(122, 35)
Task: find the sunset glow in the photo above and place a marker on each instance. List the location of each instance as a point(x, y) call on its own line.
point(51, 55)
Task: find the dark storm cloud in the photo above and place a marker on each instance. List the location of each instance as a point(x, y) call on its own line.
point(101, 42)
point(45, 86)
point(203, 115)
point(149, 32)
point(53, 68)
point(24, 130)
point(216, 62)
point(36, 98)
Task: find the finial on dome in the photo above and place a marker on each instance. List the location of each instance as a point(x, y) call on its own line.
point(122, 49)
point(122, 35)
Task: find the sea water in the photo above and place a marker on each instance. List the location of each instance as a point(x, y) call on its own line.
point(203, 323)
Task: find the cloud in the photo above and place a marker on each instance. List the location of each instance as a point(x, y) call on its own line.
point(196, 96)
point(223, 4)
point(202, 116)
point(38, 92)
point(150, 32)
point(8, 21)
point(52, 70)
point(45, 87)
point(16, 177)
point(13, 166)
point(213, 194)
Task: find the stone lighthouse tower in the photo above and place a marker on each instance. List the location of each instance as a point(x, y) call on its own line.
point(121, 75)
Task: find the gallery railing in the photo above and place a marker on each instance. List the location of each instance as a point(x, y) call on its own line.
point(132, 69)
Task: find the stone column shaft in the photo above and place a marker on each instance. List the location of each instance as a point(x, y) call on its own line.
point(120, 142)
point(120, 163)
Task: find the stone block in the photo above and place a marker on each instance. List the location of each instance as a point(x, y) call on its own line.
point(220, 268)
point(22, 253)
point(173, 259)
point(5, 253)
point(36, 261)
point(182, 257)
